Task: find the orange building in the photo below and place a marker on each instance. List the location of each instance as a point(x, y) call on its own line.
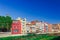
point(49, 27)
point(55, 28)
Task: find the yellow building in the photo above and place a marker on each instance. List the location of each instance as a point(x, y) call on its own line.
point(23, 24)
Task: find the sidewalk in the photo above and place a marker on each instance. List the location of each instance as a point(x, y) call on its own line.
point(8, 34)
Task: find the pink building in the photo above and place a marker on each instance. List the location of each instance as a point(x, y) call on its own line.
point(45, 27)
point(16, 27)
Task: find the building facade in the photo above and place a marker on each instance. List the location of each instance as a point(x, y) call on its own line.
point(23, 25)
point(16, 27)
point(55, 28)
point(20, 26)
point(31, 28)
point(46, 27)
point(49, 27)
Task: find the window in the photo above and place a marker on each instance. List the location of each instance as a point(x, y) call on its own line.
point(15, 30)
point(15, 26)
point(23, 19)
point(27, 31)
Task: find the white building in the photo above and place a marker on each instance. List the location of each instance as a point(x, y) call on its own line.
point(40, 26)
point(31, 28)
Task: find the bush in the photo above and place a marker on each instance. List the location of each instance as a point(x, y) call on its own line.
point(31, 36)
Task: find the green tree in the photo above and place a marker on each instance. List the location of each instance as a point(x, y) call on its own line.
point(2, 21)
point(8, 22)
point(5, 22)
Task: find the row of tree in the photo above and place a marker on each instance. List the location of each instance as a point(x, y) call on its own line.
point(5, 22)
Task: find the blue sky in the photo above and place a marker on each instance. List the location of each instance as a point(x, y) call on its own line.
point(45, 10)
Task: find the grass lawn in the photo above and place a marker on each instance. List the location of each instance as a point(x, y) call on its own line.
point(32, 37)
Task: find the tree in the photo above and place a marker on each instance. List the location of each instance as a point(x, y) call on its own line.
point(2, 21)
point(8, 22)
point(5, 22)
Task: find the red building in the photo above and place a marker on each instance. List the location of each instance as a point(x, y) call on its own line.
point(16, 27)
